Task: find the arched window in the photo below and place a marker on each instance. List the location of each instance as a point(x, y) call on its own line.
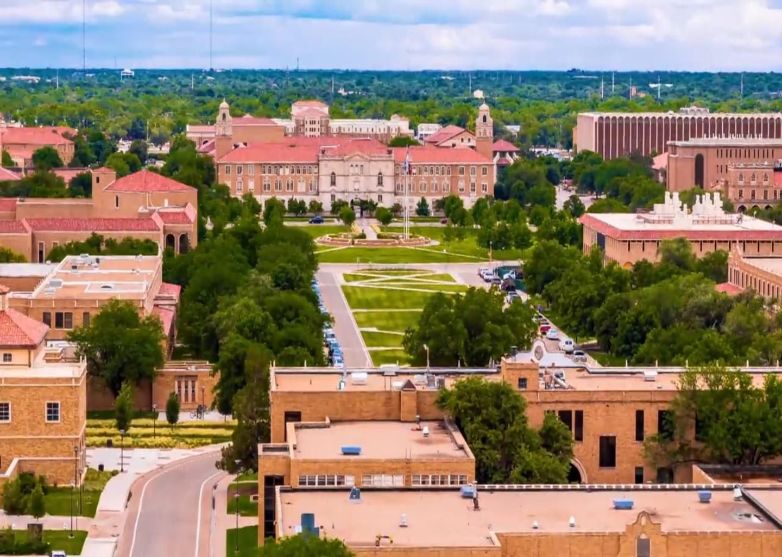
point(333, 178)
point(116, 201)
point(170, 242)
point(699, 170)
point(379, 178)
point(184, 243)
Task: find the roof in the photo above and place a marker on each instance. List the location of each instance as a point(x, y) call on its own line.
point(166, 316)
point(7, 204)
point(250, 120)
point(444, 155)
point(146, 180)
point(660, 162)
point(503, 146)
point(676, 115)
point(12, 227)
point(273, 153)
point(93, 225)
point(16, 329)
point(170, 290)
point(175, 217)
point(380, 440)
point(444, 134)
point(626, 226)
point(442, 518)
point(362, 145)
point(16, 270)
point(8, 175)
point(35, 136)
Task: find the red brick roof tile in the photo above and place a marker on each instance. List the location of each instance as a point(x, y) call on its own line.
point(169, 289)
point(145, 180)
point(503, 146)
point(249, 120)
point(93, 225)
point(175, 217)
point(18, 330)
point(35, 136)
point(8, 175)
point(445, 134)
point(440, 155)
point(166, 316)
point(12, 227)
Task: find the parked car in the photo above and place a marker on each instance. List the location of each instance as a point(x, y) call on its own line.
point(317, 219)
point(552, 334)
point(579, 356)
point(566, 345)
point(487, 275)
point(545, 328)
point(495, 280)
point(443, 221)
point(512, 297)
point(483, 270)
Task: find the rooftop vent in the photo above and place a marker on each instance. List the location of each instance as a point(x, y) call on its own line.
point(623, 504)
point(535, 525)
point(55, 283)
point(351, 450)
point(572, 522)
point(355, 495)
point(359, 377)
point(403, 521)
point(467, 491)
point(389, 370)
point(704, 496)
point(425, 431)
point(737, 494)
point(650, 375)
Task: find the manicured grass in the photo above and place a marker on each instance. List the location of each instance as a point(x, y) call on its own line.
point(246, 506)
point(467, 246)
point(372, 338)
point(413, 277)
point(58, 499)
point(248, 477)
point(380, 298)
point(145, 433)
point(318, 230)
point(248, 542)
point(459, 288)
point(108, 415)
point(381, 357)
point(60, 539)
point(388, 320)
point(391, 255)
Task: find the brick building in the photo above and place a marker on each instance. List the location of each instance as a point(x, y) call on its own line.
point(626, 238)
point(618, 134)
point(21, 143)
point(43, 403)
point(143, 205)
point(762, 275)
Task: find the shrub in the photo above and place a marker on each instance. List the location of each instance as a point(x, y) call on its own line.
point(172, 408)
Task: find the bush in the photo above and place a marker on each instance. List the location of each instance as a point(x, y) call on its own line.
point(18, 493)
point(172, 408)
point(10, 544)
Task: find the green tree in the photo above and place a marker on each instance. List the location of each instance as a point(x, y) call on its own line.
point(123, 163)
point(384, 216)
point(315, 207)
point(347, 216)
point(574, 206)
point(608, 205)
point(81, 185)
point(304, 545)
point(46, 158)
point(402, 141)
point(8, 256)
point(172, 408)
point(37, 504)
point(120, 346)
point(297, 206)
point(123, 407)
point(7, 161)
point(273, 211)
point(677, 253)
point(140, 149)
point(422, 208)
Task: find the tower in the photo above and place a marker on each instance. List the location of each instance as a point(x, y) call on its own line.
point(484, 132)
point(223, 130)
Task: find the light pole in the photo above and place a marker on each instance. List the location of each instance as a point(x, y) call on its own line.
point(426, 347)
point(236, 501)
point(154, 420)
point(76, 480)
point(121, 450)
point(203, 401)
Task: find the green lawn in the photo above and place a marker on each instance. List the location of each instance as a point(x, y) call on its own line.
point(318, 230)
point(248, 477)
point(467, 246)
point(59, 539)
point(387, 321)
point(372, 338)
point(380, 298)
point(427, 286)
point(248, 542)
point(58, 499)
point(246, 506)
point(390, 255)
point(381, 357)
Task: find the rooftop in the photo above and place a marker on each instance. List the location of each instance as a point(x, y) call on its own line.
point(35, 136)
point(690, 111)
point(19, 331)
point(504, 146)
point(145, 180)
point(328, 379)
point(728, 142)
point(379, 440)
point(439, 155)
point(250, 120)
point(8, 175)
point(93, 224)
point(444, 134)
point(443, 518)
point(12, 270)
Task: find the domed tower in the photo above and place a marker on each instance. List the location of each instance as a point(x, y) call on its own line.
point(224, 121)
point(484, 131)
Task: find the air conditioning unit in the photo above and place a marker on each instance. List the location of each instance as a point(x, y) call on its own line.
point(359, 377)
point(650, 375)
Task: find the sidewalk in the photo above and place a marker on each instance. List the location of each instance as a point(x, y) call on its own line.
point(222, 521)
point(110, 517)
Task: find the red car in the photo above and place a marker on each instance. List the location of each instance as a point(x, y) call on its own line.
point(544, 329)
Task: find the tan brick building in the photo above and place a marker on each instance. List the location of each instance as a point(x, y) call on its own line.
point(626, 238)
point(43, 402)
point(762, 275)
point(21, 143)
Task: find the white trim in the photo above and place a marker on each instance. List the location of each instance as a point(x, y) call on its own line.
point(10, 416)
point(46, 412)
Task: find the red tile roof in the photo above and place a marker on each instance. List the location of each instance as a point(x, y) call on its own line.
point(7, 204)
point(443, 155)
point(175, 217)
point(93, 225)
point(274, 153)
point(444, 134)
point(660, 162)
point(12, 227)
point(503, 146)
point(34, 136)
point(166, 316)
point(170, 290)
point(249, 120)
point(145, 180)
point(350, 146)
point(18, 330)
point(8, 175)
point(734, 235)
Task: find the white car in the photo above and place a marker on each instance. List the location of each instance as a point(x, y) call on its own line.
point(566, 345)
point(487, 275)
point(552, 334)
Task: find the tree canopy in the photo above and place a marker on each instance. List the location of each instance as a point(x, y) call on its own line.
point(304, 545)
point(98, 245)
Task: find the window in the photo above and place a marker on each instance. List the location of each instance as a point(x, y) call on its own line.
point(63, 320)
point(47, 318)
point(418, 480)
point(473, 171)
point(239, 169)
point(522, 383)
point(700, 425)
point(5, 412)
point(566, 417)
point(639, 474)
point(7, 358)
point(379, 178)
point(325, 480)
point(484, 171)
point(485, 187)
point(579, 432)
point(333, 179)
point(85, 319)
point(664, 475)
point(227, 169)
point(607, 451)
point(251, 170)
point(382, 480)
point(52, 412)
point(665, 424)
point(116, 201)
point(639, 425)
point(643, 546)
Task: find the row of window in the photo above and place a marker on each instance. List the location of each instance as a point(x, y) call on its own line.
point(438, 479)
point(271, 169)
point(381, 480)
point(64, 319)
point(51, 412)
point(765, 154)
point(318, 480)
point(422, 187)
point(765, 194)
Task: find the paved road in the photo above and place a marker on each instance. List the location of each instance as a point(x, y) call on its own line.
point(353, 347)
point(563, 195)
point(170, 511)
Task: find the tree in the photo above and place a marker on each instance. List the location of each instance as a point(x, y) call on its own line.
point(402, 141)
point(492, 417)
point(337, 206)
point(297, 206)
point(46, 158)
point(422, 208)
point(98, 245)
point(574, 206)
point(608, 205)
point(37, 502)
point(123, 163)
point(172, 408)
point(8, 256)
point(384, 216)
point(273, 211)
point(7, 161)
point(123, 407)
point(120, 346)
point(315, 207)
point(347, 216)
point(304, 545)
point(81, 185)
point(140, 149)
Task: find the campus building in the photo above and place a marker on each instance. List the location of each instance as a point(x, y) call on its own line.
point(43, 402)
point(627, 238)
point(21, 142)
point(762, 275)
point(753, 185)
point(618, 134)
point(143, 205)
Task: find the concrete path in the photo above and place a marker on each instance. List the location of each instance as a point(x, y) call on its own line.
point(366, 226)
point(222, 521)
point(353, 347)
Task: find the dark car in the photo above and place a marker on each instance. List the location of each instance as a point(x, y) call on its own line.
point(443, 221)
point(316, 220)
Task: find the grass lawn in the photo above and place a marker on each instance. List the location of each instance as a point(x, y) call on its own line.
point(380, 357)
point(467, 246)
point(426, 286)
point(380, 298)
point(318, 230)
point(387, 321)
point(145, 433)
point(248, 542)
point(248, 477)
point(390, 255)
point(246, 506)
point(372, 338)
point(58, 499)
point(59, 540)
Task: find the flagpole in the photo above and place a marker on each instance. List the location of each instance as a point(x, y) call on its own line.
point(407, 190)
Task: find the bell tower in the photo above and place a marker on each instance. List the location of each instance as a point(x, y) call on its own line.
point(484, 131)
point(224, 141)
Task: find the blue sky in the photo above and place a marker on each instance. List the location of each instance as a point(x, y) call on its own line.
point(732, 35)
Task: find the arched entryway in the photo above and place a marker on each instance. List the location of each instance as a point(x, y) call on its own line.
point(171, 242)
point(699, 170)
point(576, 474)
point(184, 243)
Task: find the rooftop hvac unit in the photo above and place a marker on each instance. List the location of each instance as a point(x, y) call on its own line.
point(55, 283)
point(704, 496)
point(419, 379)
point(650, 375)
point(389, 370)
point(359, 377)
point(397, 385)
point(623, 504)
point(425, 431)
point(351, 450)
point(467, 491)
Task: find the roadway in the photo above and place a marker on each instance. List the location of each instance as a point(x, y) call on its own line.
point(563, 195)
point(170, 511)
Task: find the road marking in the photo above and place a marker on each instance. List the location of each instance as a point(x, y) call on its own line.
point(200, 507)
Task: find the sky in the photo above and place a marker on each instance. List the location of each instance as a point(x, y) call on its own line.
point(681, 35)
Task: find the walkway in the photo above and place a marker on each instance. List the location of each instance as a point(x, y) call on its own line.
point(353, 347)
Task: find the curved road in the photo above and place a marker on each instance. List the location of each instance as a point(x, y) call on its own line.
point(170, 510)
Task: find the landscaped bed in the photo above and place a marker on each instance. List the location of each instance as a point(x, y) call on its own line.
point(143, 434)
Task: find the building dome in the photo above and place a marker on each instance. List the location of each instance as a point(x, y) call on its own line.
point(224, 104)
point(484, 106)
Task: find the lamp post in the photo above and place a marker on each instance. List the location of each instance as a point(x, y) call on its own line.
point(121, 450)
point(154, 419)
point(203, 399)
point(236, 501)
point(75, 482)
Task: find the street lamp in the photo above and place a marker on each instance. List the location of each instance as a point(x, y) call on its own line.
point(75, 481)
point(154, 419)
point(236, 501)
point(121, 450)
point(426, 347)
